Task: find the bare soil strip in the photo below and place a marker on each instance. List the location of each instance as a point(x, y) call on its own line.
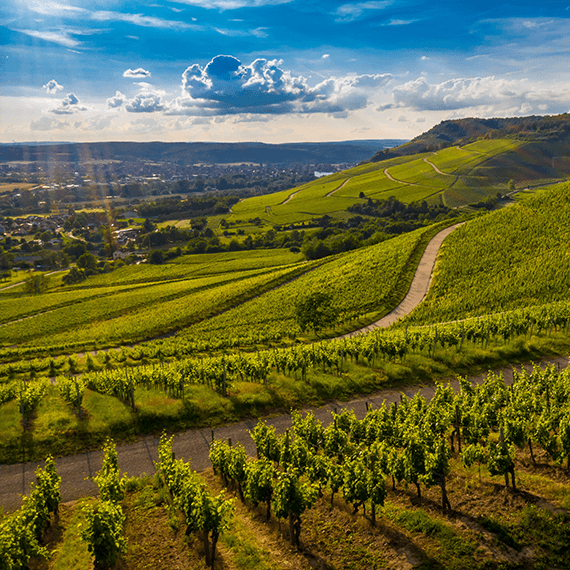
point(436, 168)
point(291, 196)
point(337, 189)
point(390, 177)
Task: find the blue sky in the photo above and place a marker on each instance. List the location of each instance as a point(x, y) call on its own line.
point(274, 70)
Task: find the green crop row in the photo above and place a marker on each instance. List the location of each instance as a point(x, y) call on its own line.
point(155, 317)
point(360, 282)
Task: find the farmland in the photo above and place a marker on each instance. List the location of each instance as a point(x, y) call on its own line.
point(408, 178)
point(374, 488)
point(476, 478)
point(525, 261)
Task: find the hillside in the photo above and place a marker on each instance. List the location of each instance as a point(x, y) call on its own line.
point(413, 475)
point(456, 163)
point(462, 131)
point(513, 257)
point(453, 177)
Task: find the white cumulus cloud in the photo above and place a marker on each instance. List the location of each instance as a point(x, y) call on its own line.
point(145, 102)
point(136, 73)
point(52, 87)
point(117, 101)
point(225, 86)
point(69, 105)
point(491, 95)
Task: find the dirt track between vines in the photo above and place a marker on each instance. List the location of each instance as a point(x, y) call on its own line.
point(419, 287)
point(139, 457)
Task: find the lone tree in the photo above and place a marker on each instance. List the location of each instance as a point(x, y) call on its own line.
point(35, 284)
point(315, 312)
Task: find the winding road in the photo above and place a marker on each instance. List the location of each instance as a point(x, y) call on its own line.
point(139, 457)
point(437, 169)
point(419, 287)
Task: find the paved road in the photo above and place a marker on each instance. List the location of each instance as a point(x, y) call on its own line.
point(137, 458)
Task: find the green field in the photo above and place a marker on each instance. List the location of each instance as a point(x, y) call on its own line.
point(365, 284)
point(138, 302)
point(514, 264)
point(207, 340)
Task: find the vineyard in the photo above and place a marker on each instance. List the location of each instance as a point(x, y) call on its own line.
point(409, 179)
point(120, 394)
point(473, 479)
point(251, 359)
point(367, 282)
point(514, 257)
point(476, 479)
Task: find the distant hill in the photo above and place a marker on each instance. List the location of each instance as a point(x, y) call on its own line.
point(549, 129)
point(342, 152)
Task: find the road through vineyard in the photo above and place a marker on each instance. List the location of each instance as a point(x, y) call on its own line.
point(139, 457)
point(419, 287)
point(193, 445)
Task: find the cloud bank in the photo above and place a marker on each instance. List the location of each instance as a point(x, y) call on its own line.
point(495, 94)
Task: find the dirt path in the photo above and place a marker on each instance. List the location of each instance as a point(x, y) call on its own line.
point(337, 189)
point(289, 198)
point(437, 169)
point(139, 457)
point(22, 282)
point(390, 177)
point(419, 287)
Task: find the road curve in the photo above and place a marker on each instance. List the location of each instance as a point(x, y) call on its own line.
point(390, 177)
point(338, 188)
point(419, 287)
point(437, 169)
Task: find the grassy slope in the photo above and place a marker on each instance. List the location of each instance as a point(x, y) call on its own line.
point(415, 180)
point(514, 257)
point(115, 305)
point(365, 283)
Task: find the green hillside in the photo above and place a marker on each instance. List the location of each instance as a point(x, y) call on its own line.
point(455, 177)
point(474, 477)
point(512, 258)
point(551, 129)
